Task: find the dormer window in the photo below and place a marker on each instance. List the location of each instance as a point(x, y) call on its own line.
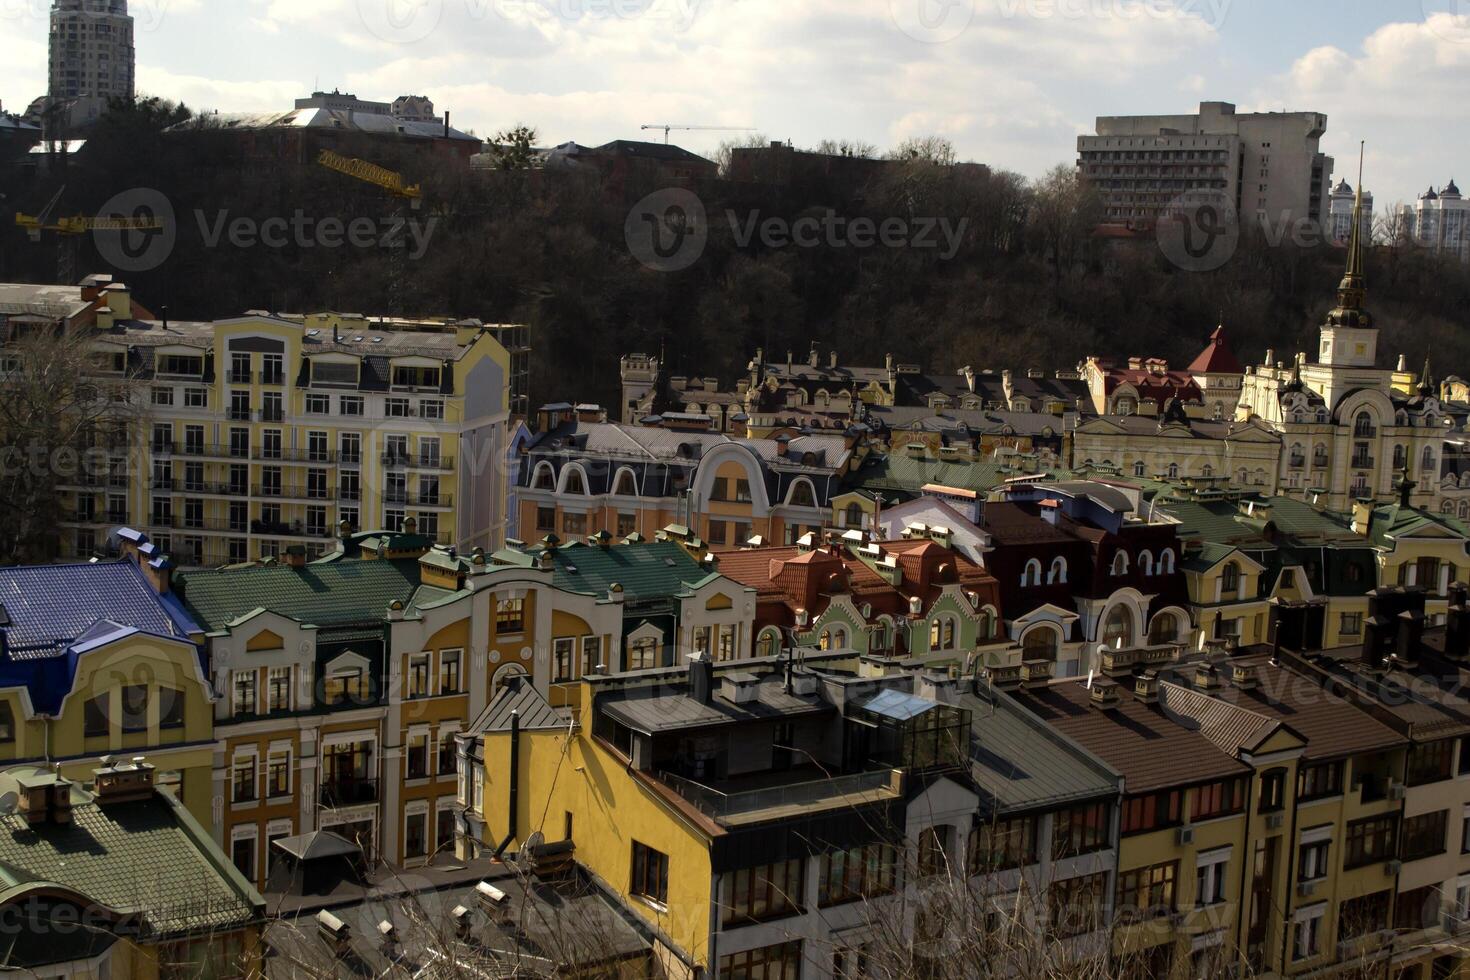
point(334, 373)
point(416, 377)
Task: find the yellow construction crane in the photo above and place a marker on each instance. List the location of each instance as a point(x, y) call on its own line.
point(666, 127)
point(72, 228)
point(389, 180)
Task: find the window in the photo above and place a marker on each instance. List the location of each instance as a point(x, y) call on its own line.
point(1031, 574)
point(448, 757)
point(801, 494)
point(1312, 858)
point(444, 831)
point(856, 873)
point(1417, 909)
point(243, 685)
point(350, 405)
point(1358, 917)
point(1040, 643)
point(1350, 624)
point(416, 834)
point(1230, 581)
point(1424, 835)
point(244, 779)
point(1307, 932)
point(416, 759)
point(643, 653)
point(935, 845)
point(196, 397)
point(546, 518)
point(510, 616)
point(1151, 812)
point(1080, 830)
point(1210, 874)
point(170, 708)
point(7, 722)
point(345, 687)
point(996, 845)
point(1075, 906)
point(650, 877)
point(1146, 893)
point(449, 671)
point(278, 774)
point(418, 676)
point(779, 962)
point(242, 855)
point(561, 656)
point(1319, 780)
point(135, 708)
point(765, 892)
point(1369, 840)
point(318, 404)
point(1218, 799)
point(1429, 762)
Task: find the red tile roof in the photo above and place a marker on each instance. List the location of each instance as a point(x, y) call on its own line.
point(1217, 358)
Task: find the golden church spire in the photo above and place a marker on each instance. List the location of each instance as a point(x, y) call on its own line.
point(1352, 292)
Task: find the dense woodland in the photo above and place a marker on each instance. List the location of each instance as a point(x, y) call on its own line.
point(1030, 285)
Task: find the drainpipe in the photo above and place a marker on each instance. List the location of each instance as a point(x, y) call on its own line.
point(1291, 854)
point(515, 782)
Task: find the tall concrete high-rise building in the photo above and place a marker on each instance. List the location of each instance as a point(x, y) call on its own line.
point(1264, 164)
point(1440, 221)
point(92, 55)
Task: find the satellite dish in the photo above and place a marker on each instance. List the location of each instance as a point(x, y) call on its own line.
point(8, 802)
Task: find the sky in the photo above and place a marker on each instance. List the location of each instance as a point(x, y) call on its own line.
point(1010, 82)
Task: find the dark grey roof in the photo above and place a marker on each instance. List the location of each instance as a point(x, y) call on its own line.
point(518, 696)
point(1020, 763)
point(317, 844)
point(653, 710)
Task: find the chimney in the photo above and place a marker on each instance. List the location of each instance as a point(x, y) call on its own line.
point(1104, 695)
point(814, 357)
point(495, 902)
point(45, 798)
point(1409, 636)
point(123, 782)
point(701, 676)
point(832, 358)
point(336, 933)
point(158, 572)
point(783, 444)
point(1206, 677)
point(295, 556)
point(446, 124)
point(1243, 676)
point(790, 362)
point(1457, 631)
point(1146, 688)
point(1035, 674)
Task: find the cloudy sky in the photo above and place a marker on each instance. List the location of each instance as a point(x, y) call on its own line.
point(1011, 82)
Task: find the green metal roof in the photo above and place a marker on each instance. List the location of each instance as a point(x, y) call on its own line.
point(899, 471)
point(1394, 520)
point(148, 855)
point(656, 568)
point(342, 593)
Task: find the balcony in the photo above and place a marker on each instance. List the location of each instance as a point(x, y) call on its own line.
point(161, 448)
point(1319, 462)
point(1296, 462)
point(273, 377)
point(235, 414)
point(779, 795)
point(272, 414)
point(1360, 462)
point(291, 529)
point(350, 457)
point(240, 377)
point(1365, 431)
point(294, 493)
point(422, 462)
point(349, 791)
point(433, 499)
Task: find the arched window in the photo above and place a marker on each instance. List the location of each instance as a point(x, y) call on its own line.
point(769, 643)
point(1242, 477)
point(1319, 454)
point(839, 639)
point(1173, 471)
point(1145, 563)
point(802, 494)
point(575, 483)
point(1298, 455)
point(1031, 575)
point(1166, 561)
point(1400, 456)
point(1138, 468)
point(1464, 509)
point(1057, 575)
point(1260, 477)
point(854, 516)
point(942, 633)
point(1448, 507)
point(880, 639)
point(1118, 626)
point(1363, 425)
point(1124, 406)
point(1207, 471)
point(1428, 466)
point(1163, 629)
point(626, 485)
point(1230, 580)
point(545, 478)
point(985, 627)
point(1040, 643)
point(1120, 563)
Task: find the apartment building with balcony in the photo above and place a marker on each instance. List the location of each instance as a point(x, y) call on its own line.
point(784, 823)
point(244, 437)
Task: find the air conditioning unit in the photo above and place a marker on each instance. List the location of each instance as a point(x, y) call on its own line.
point(1393, 867)
point(1306, 889)
point(1275, 821)
point(1186, 835)
point(1395, 791)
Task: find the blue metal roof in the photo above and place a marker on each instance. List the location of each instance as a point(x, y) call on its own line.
point(899, 705)
point(49, 606)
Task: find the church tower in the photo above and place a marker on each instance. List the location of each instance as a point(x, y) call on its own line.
point(1349, 338)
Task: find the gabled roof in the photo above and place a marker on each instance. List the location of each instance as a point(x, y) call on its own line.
point(49, 606)
point(343, 593)
point(645, 570)
point(520, 697)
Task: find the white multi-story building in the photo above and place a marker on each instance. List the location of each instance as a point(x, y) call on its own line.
point(1340, 214)
point(1440, 221)
point(1267, 165)
point(91, 55)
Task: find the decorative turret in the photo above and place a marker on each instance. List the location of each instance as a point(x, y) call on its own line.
point(1349, 338)
point(1426, 380)
point(1352, 292)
